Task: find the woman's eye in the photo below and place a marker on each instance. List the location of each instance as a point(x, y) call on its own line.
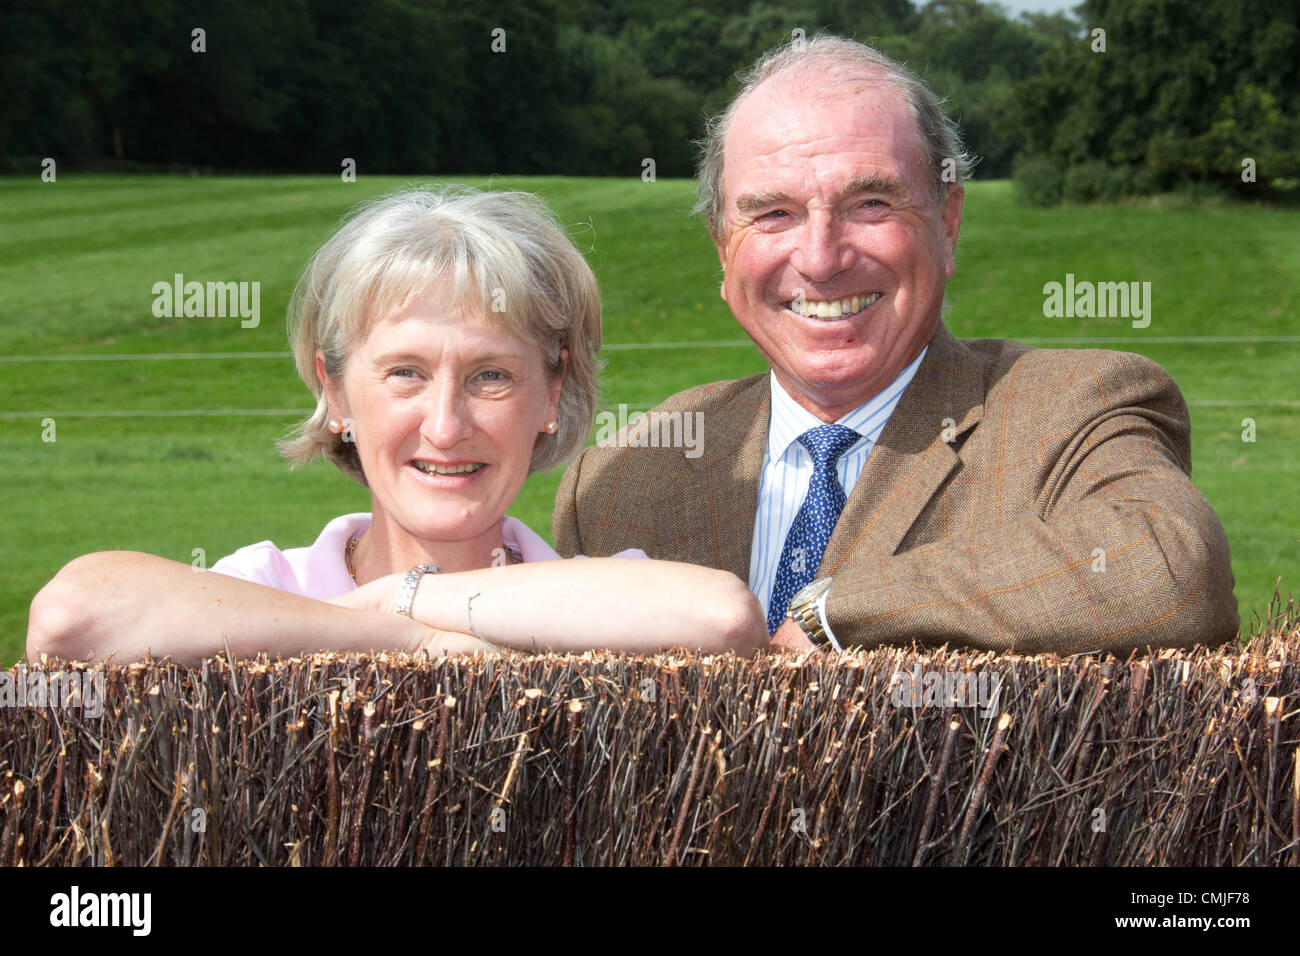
point(491, 375)
point(403, 373)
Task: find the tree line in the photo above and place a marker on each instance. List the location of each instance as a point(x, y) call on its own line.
point(1168, 93)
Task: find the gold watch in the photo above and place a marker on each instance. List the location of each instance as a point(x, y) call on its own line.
point(806, 609)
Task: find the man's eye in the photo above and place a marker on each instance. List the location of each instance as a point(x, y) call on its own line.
point(402, 373)
point(491, 375)
point(774, 214)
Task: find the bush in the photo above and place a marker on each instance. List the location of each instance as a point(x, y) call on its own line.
point(1093, 181)
point(1039, 181)
point(1042, 182)
point(1201, 192)
point(1138, 180)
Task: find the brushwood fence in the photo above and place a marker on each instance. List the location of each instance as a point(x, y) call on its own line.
point(894, 756)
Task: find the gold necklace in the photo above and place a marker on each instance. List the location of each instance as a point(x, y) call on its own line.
point(512, 556)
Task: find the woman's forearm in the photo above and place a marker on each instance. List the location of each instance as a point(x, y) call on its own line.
point(122, 605)
point(618, 603)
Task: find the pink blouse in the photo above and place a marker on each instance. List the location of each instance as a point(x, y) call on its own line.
point(320, 571)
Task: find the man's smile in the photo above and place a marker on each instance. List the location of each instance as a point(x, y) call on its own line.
point(833, 308)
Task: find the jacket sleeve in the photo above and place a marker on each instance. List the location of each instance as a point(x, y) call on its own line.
point(564, 520)
point(1120, 550)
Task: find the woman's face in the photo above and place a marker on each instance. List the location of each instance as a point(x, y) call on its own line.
point(445, 406)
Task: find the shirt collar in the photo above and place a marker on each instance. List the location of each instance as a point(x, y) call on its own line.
point(790, 419)
point(524, 541)
point(328, 551)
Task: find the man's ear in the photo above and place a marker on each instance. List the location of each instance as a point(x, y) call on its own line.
point(721, 245)
point(950, 211)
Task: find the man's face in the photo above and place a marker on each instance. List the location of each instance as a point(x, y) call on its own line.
point(834, 249)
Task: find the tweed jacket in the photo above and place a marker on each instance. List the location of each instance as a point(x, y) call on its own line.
point(1018, 499)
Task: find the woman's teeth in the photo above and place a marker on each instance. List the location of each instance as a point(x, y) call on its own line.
point(834, 309)
point(430, 468)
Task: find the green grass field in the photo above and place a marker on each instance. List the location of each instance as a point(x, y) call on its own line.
point(174, 455)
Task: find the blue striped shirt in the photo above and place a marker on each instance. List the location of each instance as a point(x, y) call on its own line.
point(788, 468)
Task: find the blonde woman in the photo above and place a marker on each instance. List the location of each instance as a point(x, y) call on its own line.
point(449, 338)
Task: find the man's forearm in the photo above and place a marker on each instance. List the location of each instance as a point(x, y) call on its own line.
point(1103, 574)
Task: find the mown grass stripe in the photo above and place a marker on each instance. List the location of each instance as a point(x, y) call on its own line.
point(645, 346)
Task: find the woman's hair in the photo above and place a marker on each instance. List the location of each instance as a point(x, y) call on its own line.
point(503, 253)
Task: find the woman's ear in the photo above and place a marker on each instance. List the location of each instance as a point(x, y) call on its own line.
point(556, 385)
point(331, 388)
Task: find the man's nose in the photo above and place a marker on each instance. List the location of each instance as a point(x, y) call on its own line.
point(446, 419)
point(822, 252)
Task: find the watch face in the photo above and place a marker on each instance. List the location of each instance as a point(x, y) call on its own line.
point(811, 593)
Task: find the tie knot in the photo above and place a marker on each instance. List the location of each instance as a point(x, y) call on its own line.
point(827, 442)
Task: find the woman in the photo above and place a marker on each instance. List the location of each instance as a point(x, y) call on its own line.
point(449, 338)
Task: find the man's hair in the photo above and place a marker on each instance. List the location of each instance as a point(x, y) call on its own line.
point(940, 139)
point(503, 254)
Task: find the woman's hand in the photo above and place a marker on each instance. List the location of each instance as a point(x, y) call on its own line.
point(441, 642)
point(635, 606)
point(573, 606)
point(380, 596)
point(377, 595)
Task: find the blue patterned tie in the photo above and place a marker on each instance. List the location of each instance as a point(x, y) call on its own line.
point(811, 531)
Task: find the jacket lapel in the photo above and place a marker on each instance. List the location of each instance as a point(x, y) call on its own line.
point(727, 478)
point(911, 460)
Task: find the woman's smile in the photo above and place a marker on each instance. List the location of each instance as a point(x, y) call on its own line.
point(456, 475)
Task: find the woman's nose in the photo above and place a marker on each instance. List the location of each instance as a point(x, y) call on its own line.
point(446, 420)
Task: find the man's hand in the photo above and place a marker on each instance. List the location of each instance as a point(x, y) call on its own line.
point(790, 637)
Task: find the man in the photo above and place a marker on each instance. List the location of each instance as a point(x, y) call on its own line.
point(887, 483)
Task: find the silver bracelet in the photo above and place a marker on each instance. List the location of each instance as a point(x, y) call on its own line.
point(406, 593)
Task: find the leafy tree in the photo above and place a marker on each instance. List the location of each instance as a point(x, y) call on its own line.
point(1186, 91)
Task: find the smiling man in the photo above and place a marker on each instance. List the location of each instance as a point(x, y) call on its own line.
point(886, 482)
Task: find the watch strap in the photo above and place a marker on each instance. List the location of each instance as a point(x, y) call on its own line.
point(808, 610)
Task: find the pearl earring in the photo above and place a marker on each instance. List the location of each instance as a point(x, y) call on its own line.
point(335, 426)
point(552, 426)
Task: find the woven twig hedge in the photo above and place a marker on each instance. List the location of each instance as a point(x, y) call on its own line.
point(1181, 758)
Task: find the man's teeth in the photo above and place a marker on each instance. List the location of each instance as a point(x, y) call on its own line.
point(430, 468)
point(833, 309)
